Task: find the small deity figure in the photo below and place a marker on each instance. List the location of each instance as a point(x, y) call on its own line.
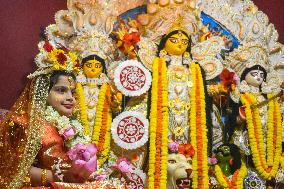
point(91, 80)
point(230, 170)
point(260, 134)
point(97, 102)
point(229, 158)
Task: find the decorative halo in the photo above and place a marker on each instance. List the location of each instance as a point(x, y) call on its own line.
point(132, 78)
point(137, 179)
point(212, 67)
point(130, 130)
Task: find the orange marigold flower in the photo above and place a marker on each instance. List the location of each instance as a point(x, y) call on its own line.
point(131, 38)
point(186, 149)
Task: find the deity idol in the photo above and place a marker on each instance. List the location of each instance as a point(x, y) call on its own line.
point(260, 111)
point(175, 106)
point(176, 103)
point(97, 102)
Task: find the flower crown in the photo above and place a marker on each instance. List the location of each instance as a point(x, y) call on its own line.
point(50, 59)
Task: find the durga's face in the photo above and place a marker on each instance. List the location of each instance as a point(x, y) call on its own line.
point(177, 44)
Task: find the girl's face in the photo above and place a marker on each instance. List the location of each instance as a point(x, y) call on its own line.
point(177, 44)
point(255, 78)
point(61, 96)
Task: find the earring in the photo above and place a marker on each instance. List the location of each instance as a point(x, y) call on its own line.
point(163, 53)
point(186, 55)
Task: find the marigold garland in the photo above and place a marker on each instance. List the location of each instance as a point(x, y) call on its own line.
point(237, 178)
point(198, 129)
point(101, 129)
point(157, 174)
point(164, 147)
point(153, 121)
point(267, 168)
point(282, 162)
point(83, 108)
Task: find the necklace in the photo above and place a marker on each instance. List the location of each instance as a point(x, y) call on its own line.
point(62, 123)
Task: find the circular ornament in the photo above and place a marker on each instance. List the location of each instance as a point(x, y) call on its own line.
point(252, 181)
point(132, 78)
point(137, 179)
point(212, 67)
point(130, 130)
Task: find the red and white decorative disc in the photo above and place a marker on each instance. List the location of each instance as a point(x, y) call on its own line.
point(132, 78)
point(130, 130)
point(137, 179)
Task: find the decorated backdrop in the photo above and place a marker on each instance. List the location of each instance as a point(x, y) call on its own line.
point(21, 23)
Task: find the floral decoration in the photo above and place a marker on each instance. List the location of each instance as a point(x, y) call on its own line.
point(71, 130)
point(186, 149)
point(266, 160)
point(84, 159)
point(229, 79)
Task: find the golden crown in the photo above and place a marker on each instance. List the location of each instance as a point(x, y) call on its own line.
point(247, 56)
point(178, 25)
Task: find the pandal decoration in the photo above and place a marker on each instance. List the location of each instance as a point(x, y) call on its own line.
point(267, 168)
point(236, 180)
point(132, 78)
point(130, 130)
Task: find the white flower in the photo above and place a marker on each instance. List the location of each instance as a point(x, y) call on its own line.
point(62, 123)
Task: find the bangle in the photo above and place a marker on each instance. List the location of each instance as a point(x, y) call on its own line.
point(44, 177)
point(27, 180)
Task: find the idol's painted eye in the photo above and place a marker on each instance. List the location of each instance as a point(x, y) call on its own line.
point(253, 73)
point(172, 161)
point(89, 65)
point(98, 65)
point(184, 41)
point(173, 40)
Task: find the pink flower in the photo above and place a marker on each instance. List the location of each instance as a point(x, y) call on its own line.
point(68, 133)
point(236, 79)
point(212, 161)
point(100, 177)
point(84, 158)
point(173, 147)
point(123, 165)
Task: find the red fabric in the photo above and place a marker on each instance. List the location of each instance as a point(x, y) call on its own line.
point(19, 34)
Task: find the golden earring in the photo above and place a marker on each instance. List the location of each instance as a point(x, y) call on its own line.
point(186, 55)
point(163, 53)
